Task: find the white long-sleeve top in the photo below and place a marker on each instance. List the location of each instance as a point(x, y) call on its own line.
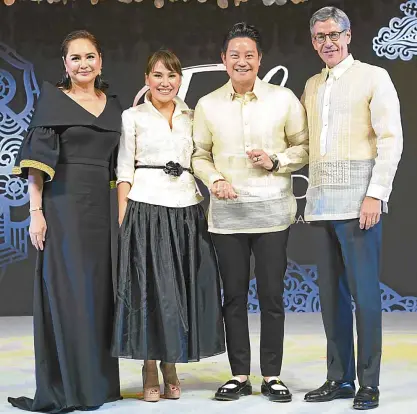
point(147, 139)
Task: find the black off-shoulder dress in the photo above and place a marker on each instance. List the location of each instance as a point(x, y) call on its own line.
point(73, 298)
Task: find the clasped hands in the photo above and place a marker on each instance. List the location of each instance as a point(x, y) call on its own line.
point(224, 190)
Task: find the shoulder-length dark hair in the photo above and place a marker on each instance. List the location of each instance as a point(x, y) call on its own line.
point(65, 82)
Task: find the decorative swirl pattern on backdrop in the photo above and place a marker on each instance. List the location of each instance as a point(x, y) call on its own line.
point(301, 291)
point(15, 73)
point(399, 40)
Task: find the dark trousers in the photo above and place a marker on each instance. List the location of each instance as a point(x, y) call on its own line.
point(233, 252)
point(352, 269)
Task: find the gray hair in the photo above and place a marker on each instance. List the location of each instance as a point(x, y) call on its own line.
point(326, 13)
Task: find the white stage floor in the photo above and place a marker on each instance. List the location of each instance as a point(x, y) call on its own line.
point(303, 370)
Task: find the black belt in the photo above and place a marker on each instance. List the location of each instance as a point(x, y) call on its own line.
point(171, 168)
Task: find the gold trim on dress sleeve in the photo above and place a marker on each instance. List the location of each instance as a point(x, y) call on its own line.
point(16, 171)
point(113, 184)
point(34, 164)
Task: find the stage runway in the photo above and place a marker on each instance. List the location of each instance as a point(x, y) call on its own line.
point(303, 370)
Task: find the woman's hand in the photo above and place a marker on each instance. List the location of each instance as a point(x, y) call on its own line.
point(37, 229)
point(123, 189)
point(122, 212)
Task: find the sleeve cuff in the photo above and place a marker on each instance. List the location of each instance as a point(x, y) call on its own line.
point(283, 160)
point(17, 170)
point(215, 177)
point(124, 180)
point(379, 192)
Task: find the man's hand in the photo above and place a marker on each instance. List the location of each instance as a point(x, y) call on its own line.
point(370, 213)
point(223, 190)
point(260, 158)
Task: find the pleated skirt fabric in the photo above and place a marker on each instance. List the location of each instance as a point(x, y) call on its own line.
point(168, 303)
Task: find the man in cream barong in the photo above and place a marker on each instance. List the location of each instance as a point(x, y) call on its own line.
point(355, 145)
point(249, 137)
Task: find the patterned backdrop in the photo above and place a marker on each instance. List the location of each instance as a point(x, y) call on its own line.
point(19, 91)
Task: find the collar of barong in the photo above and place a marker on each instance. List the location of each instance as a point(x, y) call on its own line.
point(258, 92)
point(54, 108)
point(339, 69)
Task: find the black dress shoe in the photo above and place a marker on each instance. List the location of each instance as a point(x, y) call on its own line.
point(276, 395)
point(331, 390)
point(366, 398)
point(232, 394)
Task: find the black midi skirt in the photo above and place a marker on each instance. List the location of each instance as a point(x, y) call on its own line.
point(168, 297)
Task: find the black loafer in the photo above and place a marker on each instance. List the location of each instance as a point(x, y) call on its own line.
point(331, 390)
point(275, 395)
point(366, 398)
point(233, 394)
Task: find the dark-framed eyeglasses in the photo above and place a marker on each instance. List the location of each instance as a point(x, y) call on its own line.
point(333, 36)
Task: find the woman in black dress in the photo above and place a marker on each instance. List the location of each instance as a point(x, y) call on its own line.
point(168, 297)
point(67, 157)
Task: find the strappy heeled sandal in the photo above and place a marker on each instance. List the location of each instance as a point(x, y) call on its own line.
point(151, 389)
point(172, 389)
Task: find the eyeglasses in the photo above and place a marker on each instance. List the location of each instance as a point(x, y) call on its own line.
point(333, 36)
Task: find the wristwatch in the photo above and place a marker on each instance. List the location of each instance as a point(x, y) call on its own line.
point(275, 162)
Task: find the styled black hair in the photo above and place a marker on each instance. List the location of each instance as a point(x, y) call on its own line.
point(243, 29)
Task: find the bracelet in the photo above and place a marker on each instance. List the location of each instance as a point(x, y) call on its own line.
point(35, 209)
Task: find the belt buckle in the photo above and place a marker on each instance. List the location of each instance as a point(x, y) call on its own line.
point(174, 169)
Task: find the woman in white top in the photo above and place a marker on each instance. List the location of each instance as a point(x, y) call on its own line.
point(168, 301)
